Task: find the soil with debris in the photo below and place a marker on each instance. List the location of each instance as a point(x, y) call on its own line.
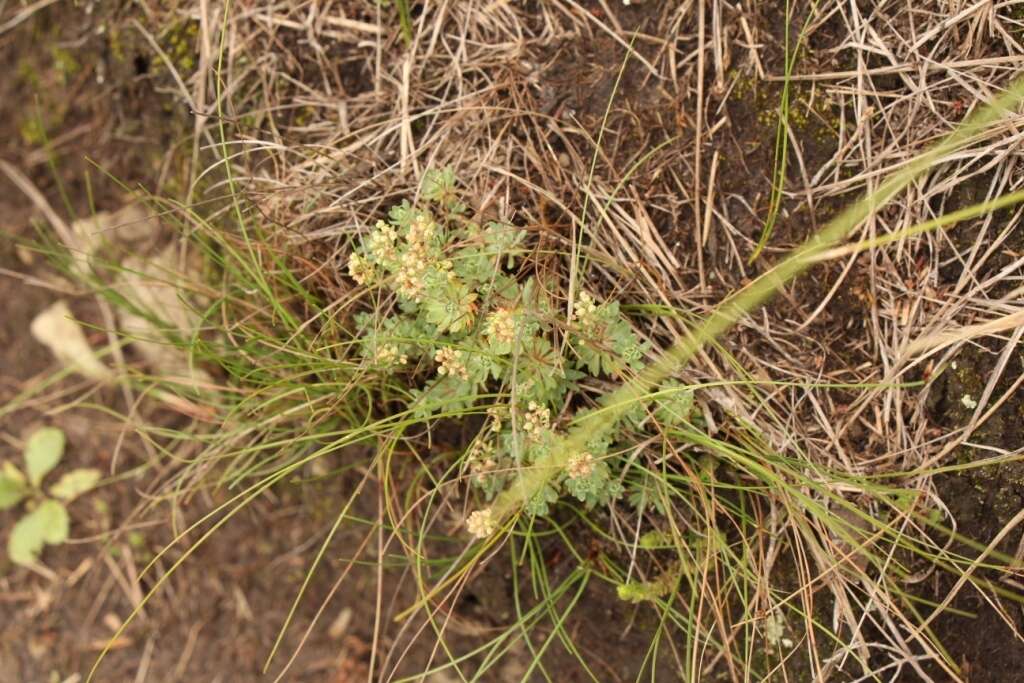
point(106, 105)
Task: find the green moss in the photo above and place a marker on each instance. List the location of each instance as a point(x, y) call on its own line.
point(64, 64)
point(33, 132)
point(179, 43)
point(28, 74)
point(812, 114)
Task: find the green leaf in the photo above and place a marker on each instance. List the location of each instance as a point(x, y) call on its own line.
point(439, 186)
point(504, 240)
point(674, 405)
point(26, 539)
point(43, 451)
point(539, 504)
point(48, 523)
point(58, 523)
point(75, 483)
point(450, 308)
point(12, 486)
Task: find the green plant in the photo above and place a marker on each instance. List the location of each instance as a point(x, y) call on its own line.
point(47, 520)
point(450, 298)
point(649, 591)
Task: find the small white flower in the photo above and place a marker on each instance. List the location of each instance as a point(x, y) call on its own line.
point(481, 523)
point(360, 269)
point(381, 243)
point(421, 231)
point(409, 280)
point(501, 326)
point(774, 628)
point(580, 465)
point(451, 363)
point(536, 420)
point(969, 402)
point(387, 354)
point(584, 311)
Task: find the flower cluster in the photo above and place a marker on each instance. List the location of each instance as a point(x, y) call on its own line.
point(580, 465)
point(584, 311)
point(409, 279)
point(451, 363)
point(421, 232)
point(381, 243)
point(388, 354)
point(481, 523)
point(360, 269)
point(536, 421)
point(500, 328)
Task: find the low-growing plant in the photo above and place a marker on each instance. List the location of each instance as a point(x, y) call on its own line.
point(46, 521)
point(453, 307)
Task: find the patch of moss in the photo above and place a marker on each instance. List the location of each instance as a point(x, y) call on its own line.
point(28, 74)
point(65, 64)
point(32, 131)
point(179, 42)
point(812, 114)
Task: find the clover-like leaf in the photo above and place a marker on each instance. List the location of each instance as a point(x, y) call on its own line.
point(48, 523)
point(43, 451)
point(12, 486)
point(75, 483)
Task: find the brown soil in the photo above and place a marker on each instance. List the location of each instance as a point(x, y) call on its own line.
point(983, 501)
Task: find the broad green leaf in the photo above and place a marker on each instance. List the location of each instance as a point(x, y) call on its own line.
point(43, 451)
point(48, 523)
point(58, 523)
point(75, 483)
point(26, 539)
point(12, 488)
